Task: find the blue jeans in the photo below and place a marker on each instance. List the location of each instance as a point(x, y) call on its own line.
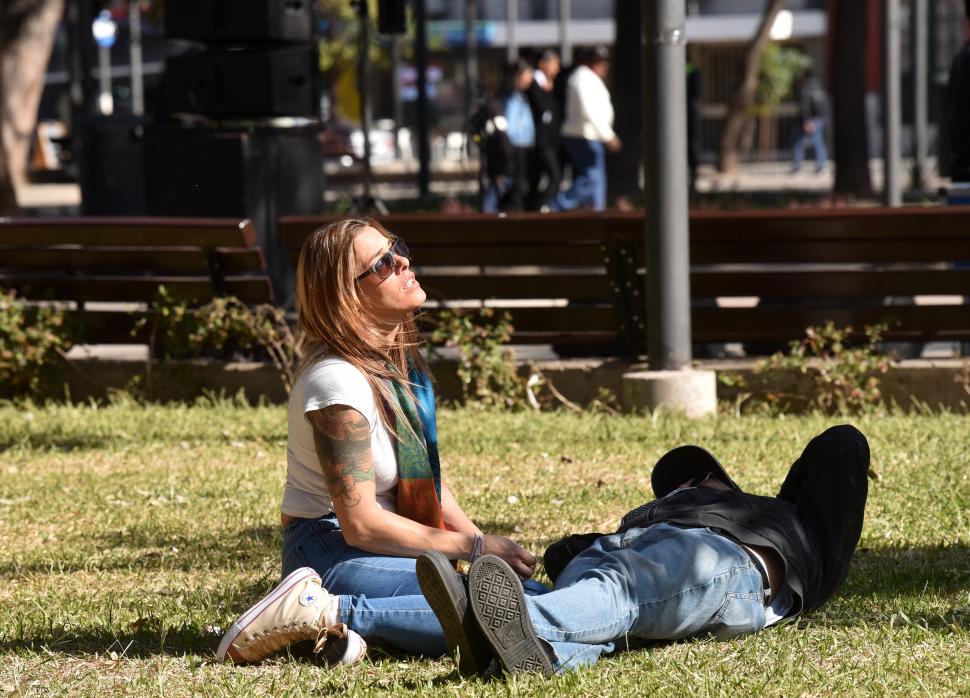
point(589, 176)
point(817, 136)
point(378, 595)
point(494, 194)
point(657, 583)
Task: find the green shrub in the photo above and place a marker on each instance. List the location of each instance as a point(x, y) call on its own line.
point(31, 339)
point(223, 328)
point(845, 377)
point(486, 367)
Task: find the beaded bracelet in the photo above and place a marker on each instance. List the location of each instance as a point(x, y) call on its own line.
point(478, 547)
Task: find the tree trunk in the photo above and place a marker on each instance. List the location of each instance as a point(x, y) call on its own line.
point(27, 29)
point(8, 196)
point(850, 22)
point(744, 98)
point(623, 168)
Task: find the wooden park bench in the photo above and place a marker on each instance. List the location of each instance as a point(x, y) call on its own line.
point(108, 270)
point(555, 274)
point(762, 276)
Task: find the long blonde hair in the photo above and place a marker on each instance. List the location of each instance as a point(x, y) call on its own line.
point(333, 317)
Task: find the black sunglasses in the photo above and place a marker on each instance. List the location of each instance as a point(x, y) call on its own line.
point(384, 265)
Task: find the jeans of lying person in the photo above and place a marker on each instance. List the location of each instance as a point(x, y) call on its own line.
point(662, 582)
point(378, 595)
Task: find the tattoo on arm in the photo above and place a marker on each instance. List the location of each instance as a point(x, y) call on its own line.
point(341, 436)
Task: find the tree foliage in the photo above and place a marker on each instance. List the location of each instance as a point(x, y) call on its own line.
point(780, 68)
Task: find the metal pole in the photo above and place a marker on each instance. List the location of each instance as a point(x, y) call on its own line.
point(920, 80)
point(105, 99)
point(891, 118)
point(565, 44)
point(363, 85)
point(511, 16)
point(396, 93)
point(135, 58)
point(471, 57)
point(665, 168)
point(421, 59)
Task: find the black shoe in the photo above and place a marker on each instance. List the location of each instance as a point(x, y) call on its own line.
point(498, 603)
point(445, 593)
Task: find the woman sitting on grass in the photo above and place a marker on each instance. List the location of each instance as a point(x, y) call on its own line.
point(364, 495)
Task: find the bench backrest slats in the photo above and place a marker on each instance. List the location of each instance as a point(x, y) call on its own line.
point(830, 283)
point(175, 260)
point(540, 285)
point(122, 261)
point(191, 289)
point(154, 232)
point(914, 322)
point(798, 268)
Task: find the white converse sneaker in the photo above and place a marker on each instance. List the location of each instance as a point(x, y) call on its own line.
point(298, 609)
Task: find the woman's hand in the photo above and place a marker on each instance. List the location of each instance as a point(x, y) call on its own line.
point(519, 559)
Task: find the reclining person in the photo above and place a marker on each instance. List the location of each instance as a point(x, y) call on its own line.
point(703, 558)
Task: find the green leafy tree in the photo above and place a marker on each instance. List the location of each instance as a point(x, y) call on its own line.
point(780, 68)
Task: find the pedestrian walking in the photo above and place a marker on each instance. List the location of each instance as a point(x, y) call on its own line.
point(545, 171)
point(587, 133)
point(521, 128)
point(813, 114)
point(489, 129)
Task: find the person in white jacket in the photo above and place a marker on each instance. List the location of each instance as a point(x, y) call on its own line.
point(587, 132)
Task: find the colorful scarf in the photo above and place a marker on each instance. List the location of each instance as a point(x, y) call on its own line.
point(418, 467)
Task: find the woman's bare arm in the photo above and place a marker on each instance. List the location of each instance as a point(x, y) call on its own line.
point(341, 437)
point(455, 517)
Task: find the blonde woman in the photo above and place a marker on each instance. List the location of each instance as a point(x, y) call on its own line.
point(364, 495)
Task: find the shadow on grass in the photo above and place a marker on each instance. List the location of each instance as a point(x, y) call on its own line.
point(901, 571)
point(44, 442)
point(148, 549)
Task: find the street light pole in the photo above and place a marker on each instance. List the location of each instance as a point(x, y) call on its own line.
point(421, 63)
point(920, 77)
point(471, 57)
point(363, 86)
point(565, 43)
point(892, 118)
point(511, 17)
point(665, 174)
point(135, 58)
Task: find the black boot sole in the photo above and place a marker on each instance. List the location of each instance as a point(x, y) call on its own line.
point(498, 603)
point(446, 595)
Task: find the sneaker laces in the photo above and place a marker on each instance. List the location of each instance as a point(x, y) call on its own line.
point(338, 631)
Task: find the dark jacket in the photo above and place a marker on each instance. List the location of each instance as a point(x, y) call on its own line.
point(546, 115)
point(812, 102)
point(958, 115)
point(814, 523)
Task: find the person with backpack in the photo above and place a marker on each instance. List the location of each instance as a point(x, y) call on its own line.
point(489, 130)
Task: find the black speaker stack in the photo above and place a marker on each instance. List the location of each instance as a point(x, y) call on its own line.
point(238, 135)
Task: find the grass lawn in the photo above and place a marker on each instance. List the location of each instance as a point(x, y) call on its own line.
point(127, 532)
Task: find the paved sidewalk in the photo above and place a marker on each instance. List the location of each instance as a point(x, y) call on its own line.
point(398, 181)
